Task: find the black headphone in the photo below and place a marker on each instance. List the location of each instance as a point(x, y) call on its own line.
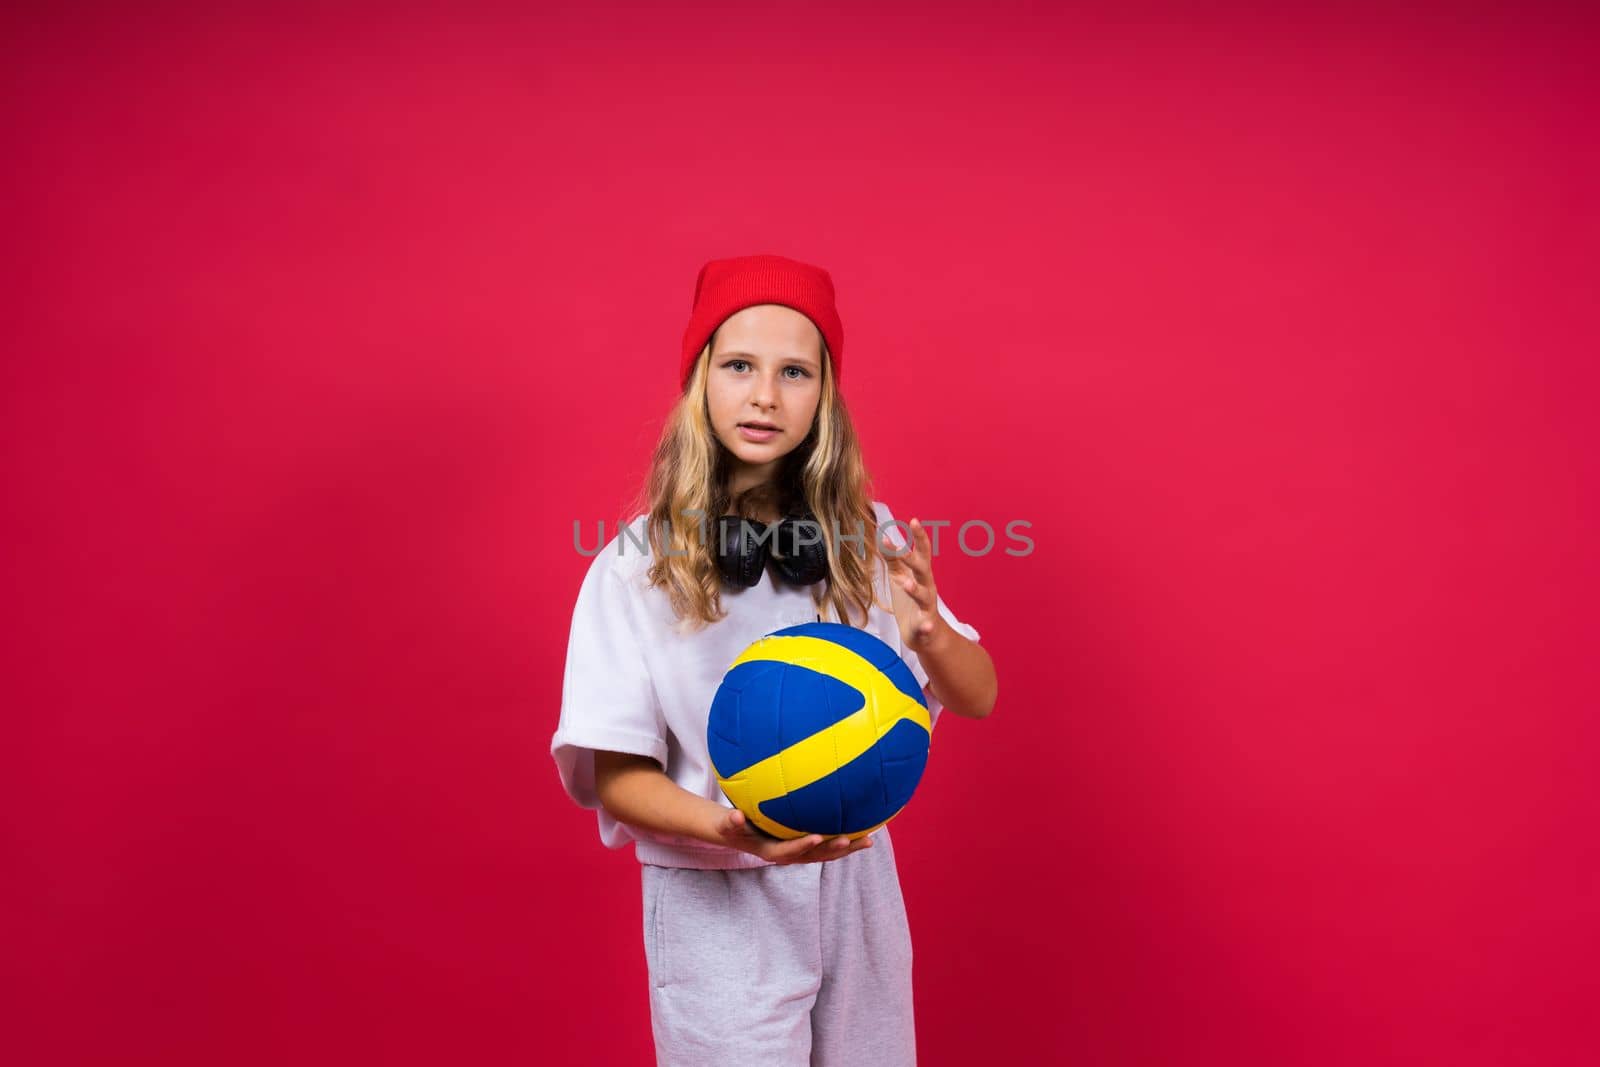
point(745, 546)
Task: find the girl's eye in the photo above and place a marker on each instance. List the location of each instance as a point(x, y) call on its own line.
point(738, 366)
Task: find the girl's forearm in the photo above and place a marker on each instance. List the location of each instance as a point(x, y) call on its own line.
point(961, 672)
point(641, 795)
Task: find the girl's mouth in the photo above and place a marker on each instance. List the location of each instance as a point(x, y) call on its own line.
point(756, 432)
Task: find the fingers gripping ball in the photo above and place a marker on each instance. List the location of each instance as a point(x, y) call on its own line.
point(819, 729)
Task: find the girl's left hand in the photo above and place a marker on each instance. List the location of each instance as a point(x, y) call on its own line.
point(916, 600)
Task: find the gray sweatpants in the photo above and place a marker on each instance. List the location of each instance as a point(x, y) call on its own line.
point(804, 964)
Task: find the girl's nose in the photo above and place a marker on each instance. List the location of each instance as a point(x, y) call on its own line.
point(766, 392)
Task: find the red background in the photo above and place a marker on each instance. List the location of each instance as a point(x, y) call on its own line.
point(1278, 328)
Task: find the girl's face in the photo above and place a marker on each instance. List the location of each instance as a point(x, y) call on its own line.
point(766, 371)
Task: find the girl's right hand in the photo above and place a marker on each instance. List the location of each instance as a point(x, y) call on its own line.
point(737, 832)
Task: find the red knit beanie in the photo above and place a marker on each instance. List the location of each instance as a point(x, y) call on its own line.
point(729, 285)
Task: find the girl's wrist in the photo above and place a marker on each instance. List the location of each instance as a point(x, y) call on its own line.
point(710, 818)
point(943, 638)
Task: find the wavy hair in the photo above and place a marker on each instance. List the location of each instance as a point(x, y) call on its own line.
point(823, 475)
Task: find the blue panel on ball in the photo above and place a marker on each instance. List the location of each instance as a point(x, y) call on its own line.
point(862, 793)
point(763, 707)
point(868, 646)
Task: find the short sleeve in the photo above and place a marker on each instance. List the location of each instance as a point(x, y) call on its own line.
point(608, 701)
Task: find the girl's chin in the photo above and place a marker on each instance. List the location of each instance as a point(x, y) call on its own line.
point(757, 455)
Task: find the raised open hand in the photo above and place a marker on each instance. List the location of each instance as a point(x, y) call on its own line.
point(916, 599)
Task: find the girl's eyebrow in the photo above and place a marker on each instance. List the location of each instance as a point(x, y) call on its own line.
point(803, 360)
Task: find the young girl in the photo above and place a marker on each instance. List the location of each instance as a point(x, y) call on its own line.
point(789, 952)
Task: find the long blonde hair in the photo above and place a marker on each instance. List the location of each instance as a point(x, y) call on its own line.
point(824, 474)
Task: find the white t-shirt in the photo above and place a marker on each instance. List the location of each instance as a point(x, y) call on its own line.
point(635, 684)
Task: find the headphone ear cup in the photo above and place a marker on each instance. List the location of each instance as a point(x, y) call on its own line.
point(745, 558)
point(799, 552)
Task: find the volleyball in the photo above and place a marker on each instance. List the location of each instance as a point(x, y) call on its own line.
point(819, 728)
